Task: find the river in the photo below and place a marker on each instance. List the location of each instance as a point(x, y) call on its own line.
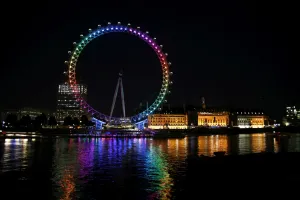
point(114, 168)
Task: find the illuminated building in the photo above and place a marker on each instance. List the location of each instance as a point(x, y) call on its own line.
point(292, 116)
point(66, 102)
point(249, 119)
point(291, 113)
point(207, 116)
point(32, 113)
point(168, 121)
point(217, 119)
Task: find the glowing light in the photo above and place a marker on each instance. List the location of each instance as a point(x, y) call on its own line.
point(92, 35)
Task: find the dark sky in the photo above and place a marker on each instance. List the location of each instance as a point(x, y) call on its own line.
point(237, 54)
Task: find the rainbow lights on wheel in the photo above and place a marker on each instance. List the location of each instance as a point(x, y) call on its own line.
point(124, 29)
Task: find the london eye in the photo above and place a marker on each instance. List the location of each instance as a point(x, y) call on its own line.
point(119, 28)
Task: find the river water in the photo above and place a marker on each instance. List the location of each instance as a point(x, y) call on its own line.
point(101, 168)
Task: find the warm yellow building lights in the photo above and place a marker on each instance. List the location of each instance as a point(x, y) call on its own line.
point(218, 119)
point(168, 121)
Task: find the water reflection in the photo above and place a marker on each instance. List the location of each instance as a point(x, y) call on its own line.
point(158, 174)
point(239, 144)
point(92, 168)
point(207, 145)
point(19, 150)
point(258, 142)
point(67, 184)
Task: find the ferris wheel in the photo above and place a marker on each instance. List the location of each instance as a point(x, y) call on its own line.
point(113, 28)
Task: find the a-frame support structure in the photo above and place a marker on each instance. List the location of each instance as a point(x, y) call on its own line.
point(119, 85)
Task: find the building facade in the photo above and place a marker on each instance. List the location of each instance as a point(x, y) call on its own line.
point(213, 119)
point(249, 119)
point(32, 113)
point(67, 104)
point(168, 121)
point(292, 116)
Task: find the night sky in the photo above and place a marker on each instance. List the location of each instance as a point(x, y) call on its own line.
point(234, 54)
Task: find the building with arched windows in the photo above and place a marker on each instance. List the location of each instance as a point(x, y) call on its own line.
point(213, 118)
point(248, 119)
point(168, 121)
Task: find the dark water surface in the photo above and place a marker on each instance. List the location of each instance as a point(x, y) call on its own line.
point(114, 168)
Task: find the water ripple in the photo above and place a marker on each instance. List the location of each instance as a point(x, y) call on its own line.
point(120, 168)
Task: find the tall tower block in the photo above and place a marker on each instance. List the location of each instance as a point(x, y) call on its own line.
point(203, 103)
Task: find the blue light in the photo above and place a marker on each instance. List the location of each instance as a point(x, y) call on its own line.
point(147, 39)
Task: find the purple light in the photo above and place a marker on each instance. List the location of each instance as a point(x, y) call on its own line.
point(99, 32)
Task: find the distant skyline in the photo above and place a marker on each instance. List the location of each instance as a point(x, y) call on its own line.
point(234, 54)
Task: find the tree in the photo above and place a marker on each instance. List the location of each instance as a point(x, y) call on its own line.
point(68, 121)
point(37, 122)
point(43, 118)
point(11, 119)
point(52, 121)
point(25, 121)
point(84, 120)
point(76, 121)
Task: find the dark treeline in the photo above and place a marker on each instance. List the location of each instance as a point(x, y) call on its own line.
point(42, 121)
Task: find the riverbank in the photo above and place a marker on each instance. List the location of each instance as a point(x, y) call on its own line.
point(227, 131)
point(167, 133)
